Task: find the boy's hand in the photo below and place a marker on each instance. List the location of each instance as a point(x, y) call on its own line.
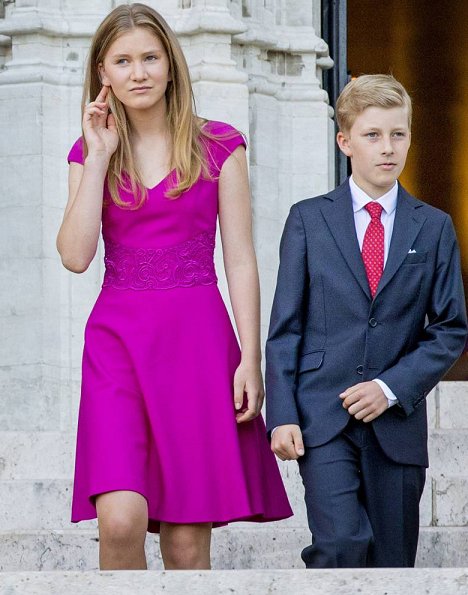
point(365, 400)
point(286, 442)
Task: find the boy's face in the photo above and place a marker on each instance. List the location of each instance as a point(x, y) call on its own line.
point(377, 145)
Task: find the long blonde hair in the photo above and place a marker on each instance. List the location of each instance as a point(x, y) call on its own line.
point(188, 160)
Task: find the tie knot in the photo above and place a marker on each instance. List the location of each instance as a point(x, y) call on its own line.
point(374, 209)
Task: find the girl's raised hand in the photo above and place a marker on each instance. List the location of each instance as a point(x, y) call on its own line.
point(99, 126)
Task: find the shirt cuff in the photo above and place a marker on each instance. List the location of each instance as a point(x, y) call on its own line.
point(391, 397)
point(273, 430)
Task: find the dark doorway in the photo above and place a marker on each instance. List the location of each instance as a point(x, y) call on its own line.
point(425, 46)
point(334, 32)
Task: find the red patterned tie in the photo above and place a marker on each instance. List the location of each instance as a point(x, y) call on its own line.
point(373, 246)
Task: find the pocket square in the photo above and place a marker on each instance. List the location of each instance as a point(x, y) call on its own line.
point(413, 258)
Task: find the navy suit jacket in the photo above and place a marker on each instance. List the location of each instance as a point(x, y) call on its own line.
point(327, 333)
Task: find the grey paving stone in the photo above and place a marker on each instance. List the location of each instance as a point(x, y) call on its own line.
point(393, 581)
point(265, 546)
point(451, 502)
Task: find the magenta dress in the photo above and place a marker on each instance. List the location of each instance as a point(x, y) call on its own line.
point(156, 413)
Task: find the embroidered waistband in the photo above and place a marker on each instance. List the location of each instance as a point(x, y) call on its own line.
point(186, 264)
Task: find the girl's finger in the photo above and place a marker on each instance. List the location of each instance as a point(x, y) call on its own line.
point(238, 395)
point(94, 109)
point(90, 109)
point(102, 93)
point(111, 122)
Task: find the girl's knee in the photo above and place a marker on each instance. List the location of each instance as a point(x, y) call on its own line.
point(122, 518)
point(186, 549)
point(183, 554)
point(119, 530)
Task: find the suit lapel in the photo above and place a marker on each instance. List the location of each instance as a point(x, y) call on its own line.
point(406, 227)
point(339, 217)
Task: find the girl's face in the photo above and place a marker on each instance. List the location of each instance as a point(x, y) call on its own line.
point(136, 67)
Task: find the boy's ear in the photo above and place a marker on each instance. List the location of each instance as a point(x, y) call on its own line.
point(102, 75)
point(342, 140)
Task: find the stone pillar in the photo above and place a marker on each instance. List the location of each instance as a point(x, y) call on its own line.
point(291, 131)
point(45, 45)
point(205, 28)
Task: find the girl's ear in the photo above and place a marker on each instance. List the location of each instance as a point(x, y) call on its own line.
point(102, 75)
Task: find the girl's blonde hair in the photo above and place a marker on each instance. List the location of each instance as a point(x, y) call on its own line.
point(188, 159)
point(370, 90)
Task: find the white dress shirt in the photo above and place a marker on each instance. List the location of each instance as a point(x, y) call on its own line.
point(361, 220)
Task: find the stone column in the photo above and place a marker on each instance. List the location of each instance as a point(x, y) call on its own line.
point(205, 28)
point(291, 131)
point(42, 49)
point(40, 92)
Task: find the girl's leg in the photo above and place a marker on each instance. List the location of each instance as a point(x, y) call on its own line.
point(186, 547)
point(123, 522)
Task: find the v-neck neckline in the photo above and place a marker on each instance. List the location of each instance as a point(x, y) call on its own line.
point(166, 177)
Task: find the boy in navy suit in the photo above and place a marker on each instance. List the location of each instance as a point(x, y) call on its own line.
point(368, 316)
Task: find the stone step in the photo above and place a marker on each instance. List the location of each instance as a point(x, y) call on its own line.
point(448, 453)
point(36, 455)
point(241, 547)
point(46, 504)
point(40, 455)
point(378, 581)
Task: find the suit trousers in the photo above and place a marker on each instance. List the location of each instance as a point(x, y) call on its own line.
point(362, 507)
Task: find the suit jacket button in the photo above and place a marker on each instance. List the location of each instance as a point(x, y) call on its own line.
point(360, 369)
point(373, 322)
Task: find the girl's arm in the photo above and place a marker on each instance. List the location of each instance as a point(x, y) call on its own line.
point(235, 220)
point(79, 233)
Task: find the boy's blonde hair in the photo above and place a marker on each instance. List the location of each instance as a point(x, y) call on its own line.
point(370, 90)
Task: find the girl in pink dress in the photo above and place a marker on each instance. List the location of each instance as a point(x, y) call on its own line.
point(170, 437)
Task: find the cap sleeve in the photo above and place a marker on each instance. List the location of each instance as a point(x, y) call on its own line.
point(223, 141)
point(76, 152)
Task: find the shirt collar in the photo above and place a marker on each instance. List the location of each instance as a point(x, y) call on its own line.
point(360, 198)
